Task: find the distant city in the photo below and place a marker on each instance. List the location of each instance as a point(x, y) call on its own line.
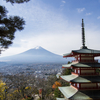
point(38, 70)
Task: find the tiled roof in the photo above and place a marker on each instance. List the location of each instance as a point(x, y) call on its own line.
point(86, 95)
point(82, 79)
point(80, 65)
point(83, 51)
point(68, 91)
point(61, 99)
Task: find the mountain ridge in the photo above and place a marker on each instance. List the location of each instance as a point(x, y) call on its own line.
point(35, 55)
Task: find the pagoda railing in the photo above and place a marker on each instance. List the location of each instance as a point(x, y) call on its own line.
point(85, 74)
point(85, 61)
point(90, 61)
point(89, 74)
point(87, 88)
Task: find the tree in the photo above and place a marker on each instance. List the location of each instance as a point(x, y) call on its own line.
point(17, 1)
point(67, 71)
point(56, 85)
point(20, 86)
point(2, 90)
point(9, 25)
point(57, 93)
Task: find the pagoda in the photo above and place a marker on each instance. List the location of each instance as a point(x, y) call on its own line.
point(84, 79)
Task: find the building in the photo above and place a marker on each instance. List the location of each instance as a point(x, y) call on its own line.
point(85, 79)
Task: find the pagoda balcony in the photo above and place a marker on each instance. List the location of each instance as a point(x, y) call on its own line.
point(87, 88)
point(85, 74)
point(85, 61)
point(89, 61)
point(75, 61)
point(89, 74)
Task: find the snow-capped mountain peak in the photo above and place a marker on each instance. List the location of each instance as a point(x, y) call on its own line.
point(38, 47)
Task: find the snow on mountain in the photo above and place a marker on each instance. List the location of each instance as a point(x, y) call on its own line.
point(38, 47)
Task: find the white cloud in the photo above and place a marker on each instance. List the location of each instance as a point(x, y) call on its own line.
point(80, 10)
point(63, 1)
point(98, 17)
point(87, 14)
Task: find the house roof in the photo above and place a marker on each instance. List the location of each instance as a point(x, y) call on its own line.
point(82, 65)
point(77, 79)
point(68, 91)
point(82, 51)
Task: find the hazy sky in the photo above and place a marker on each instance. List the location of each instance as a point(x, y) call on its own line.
point(55, 25)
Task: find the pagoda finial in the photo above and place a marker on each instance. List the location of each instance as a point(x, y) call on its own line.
point(83, 36)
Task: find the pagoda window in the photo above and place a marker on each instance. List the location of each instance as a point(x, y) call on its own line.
point(88, 57)
point(75, 70)
point(87, 71)
point(78, 58)
point(90, 85)
point(99, 85)
point(78, 71)
point(78, 85)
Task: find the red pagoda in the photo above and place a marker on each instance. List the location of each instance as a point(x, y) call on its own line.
point(85, 79)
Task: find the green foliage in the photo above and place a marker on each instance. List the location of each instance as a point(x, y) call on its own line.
point(68, 62)
point(57, 93)
point(63, 82)
point(2, 90)
point(8, 27)
point(17, 1)
point(66, 71)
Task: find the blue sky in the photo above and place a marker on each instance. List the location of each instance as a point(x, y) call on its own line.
point(55, 25)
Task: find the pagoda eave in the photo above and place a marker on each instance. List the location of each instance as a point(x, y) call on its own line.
point(81, 65)
point(82, 51)
point(77, 79)
point(61, 99)
point(68, 91)
point(72, 54)
point(90, 95)
point(74, 94)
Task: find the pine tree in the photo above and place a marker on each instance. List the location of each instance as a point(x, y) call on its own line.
point(17, 1)
point(9, 25)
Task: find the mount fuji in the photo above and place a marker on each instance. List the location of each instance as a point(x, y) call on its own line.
point(35, 55)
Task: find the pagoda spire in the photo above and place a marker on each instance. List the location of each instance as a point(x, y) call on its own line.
point(83, 36)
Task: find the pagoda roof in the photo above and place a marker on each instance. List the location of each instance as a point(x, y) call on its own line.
point(83, 51)
point(73, 94)
point(61, 99)
point(82, 65)
point(68, 91)
point(86, 95)
point(80, 96)
point(83, 79)
point(68, 78)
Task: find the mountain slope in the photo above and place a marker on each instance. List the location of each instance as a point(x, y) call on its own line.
point(36, 55)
